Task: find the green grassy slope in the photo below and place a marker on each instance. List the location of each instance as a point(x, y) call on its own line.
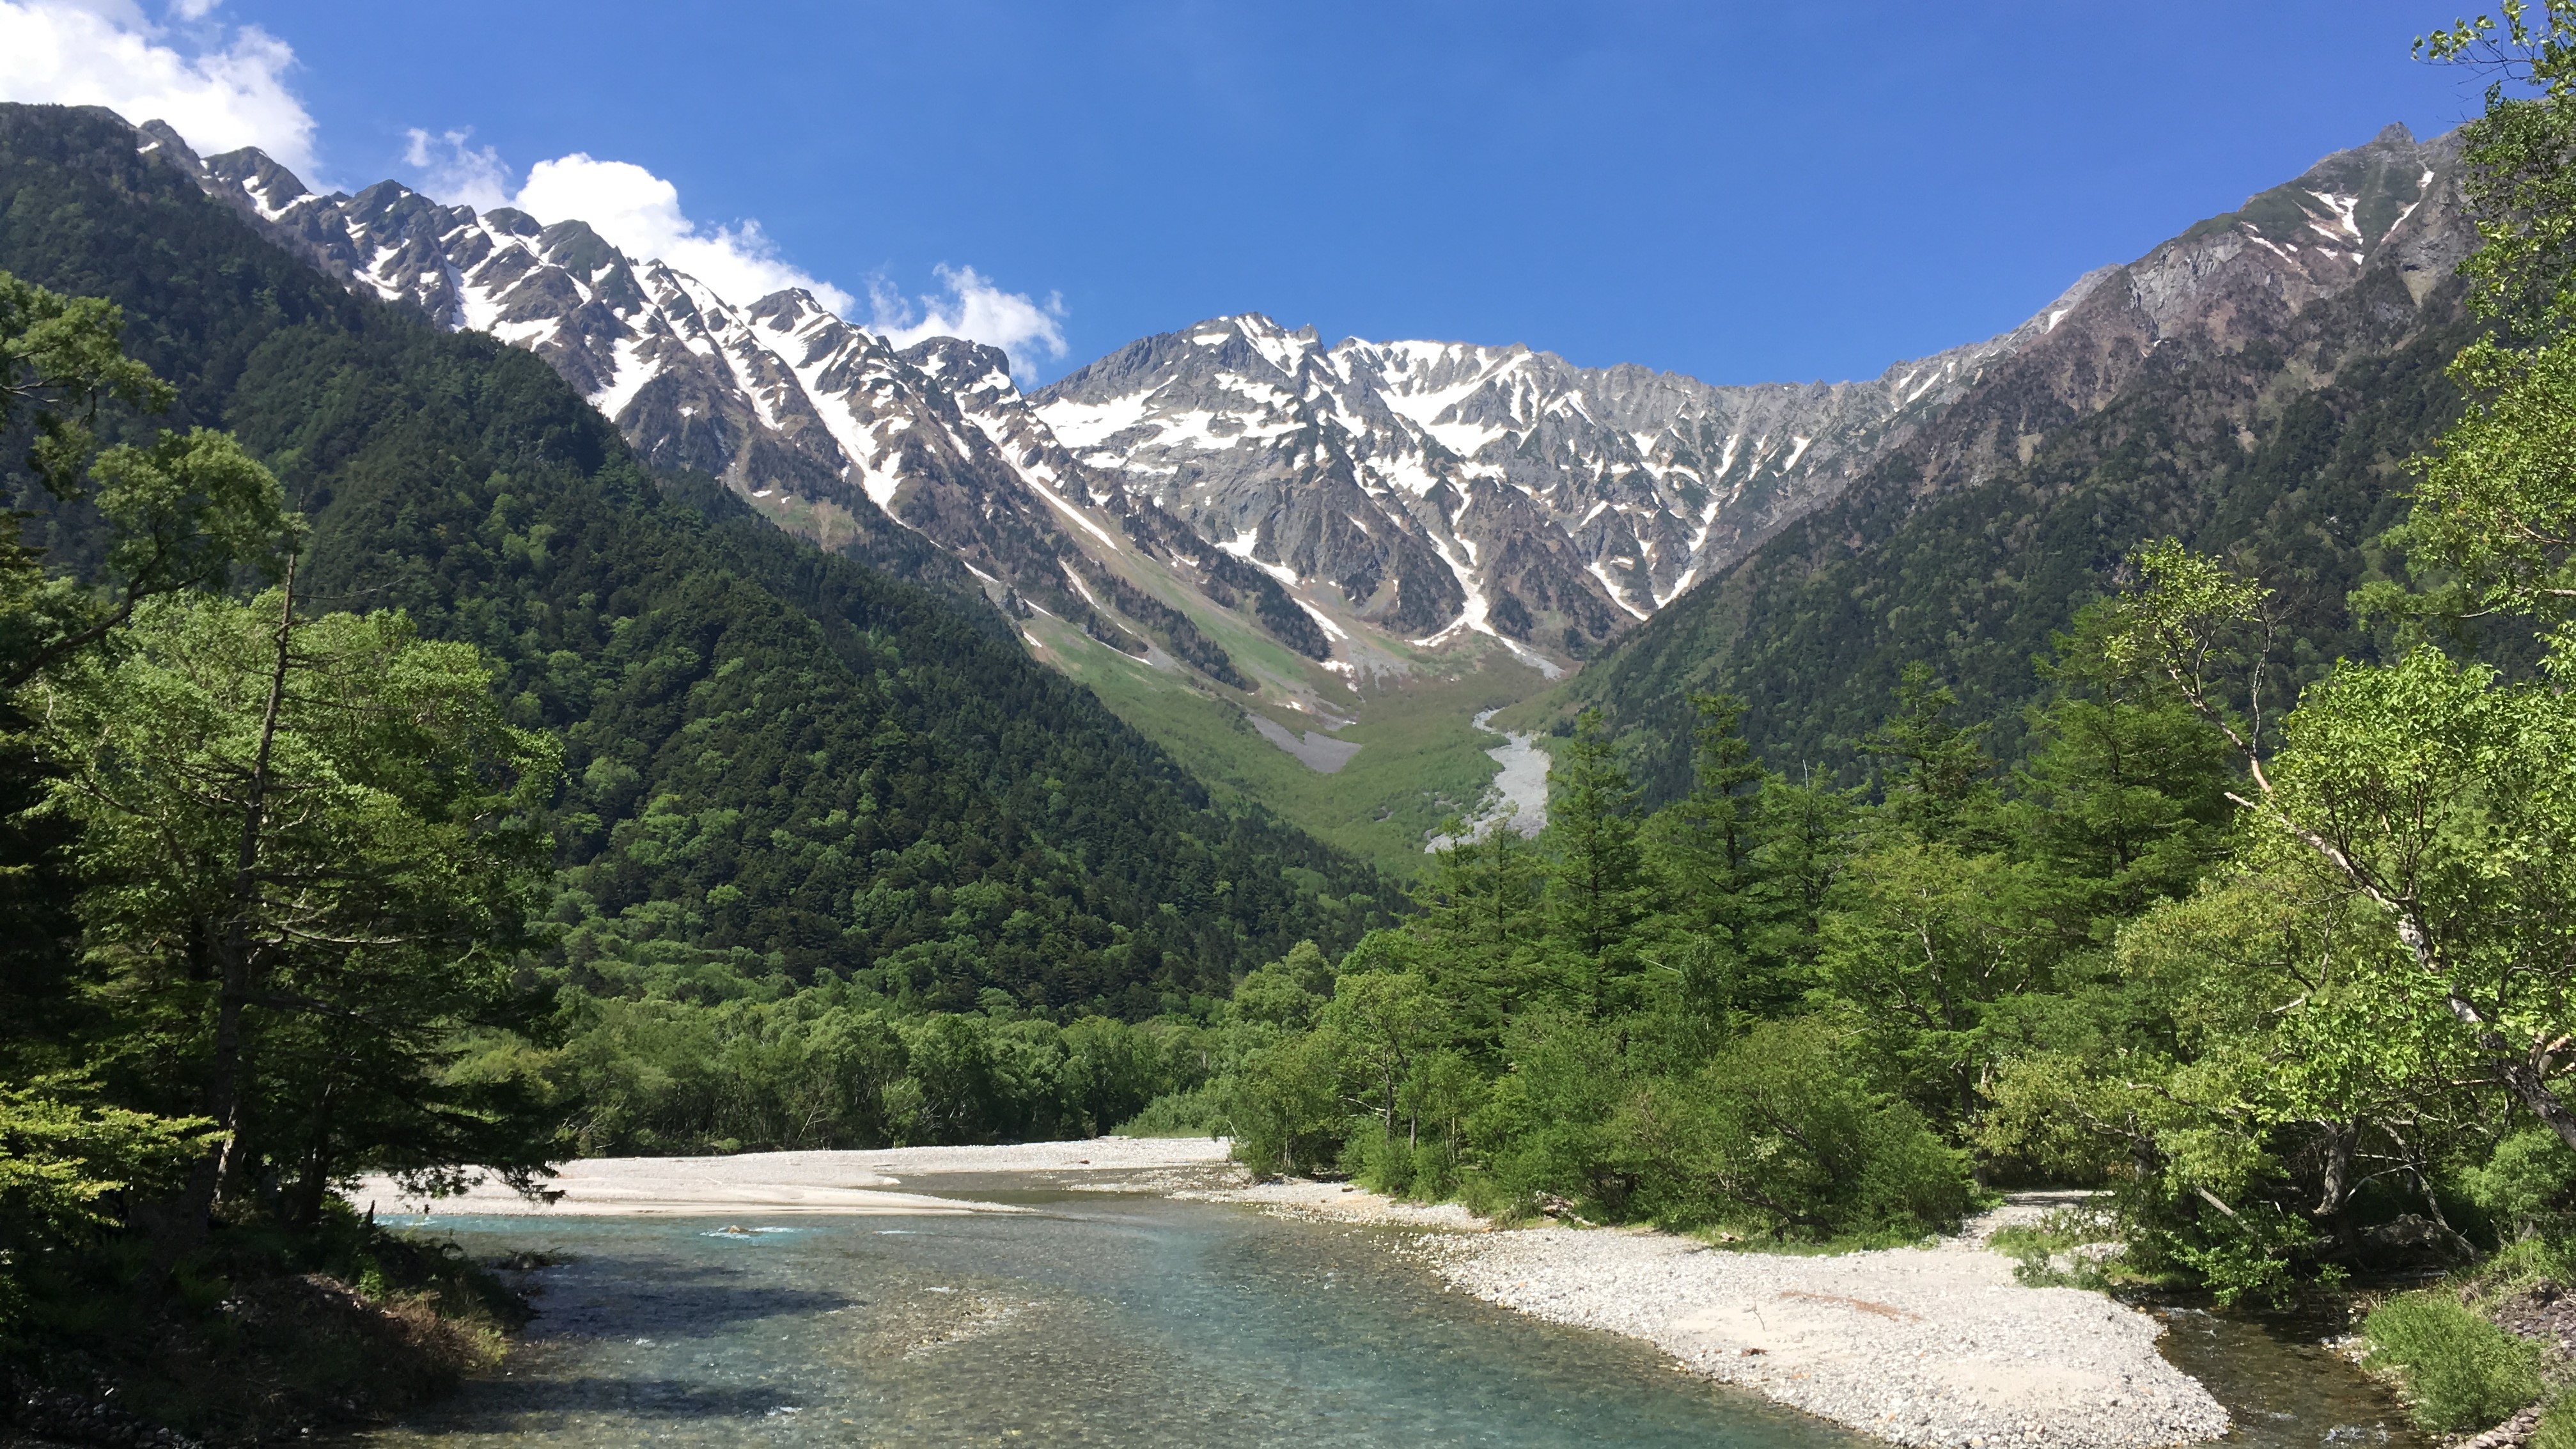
point(1420, 758)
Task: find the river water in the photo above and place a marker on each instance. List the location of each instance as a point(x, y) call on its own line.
point(1126, 1320)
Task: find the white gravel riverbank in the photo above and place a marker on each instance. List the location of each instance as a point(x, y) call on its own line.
point(1922, 1346)
point(787, 1182)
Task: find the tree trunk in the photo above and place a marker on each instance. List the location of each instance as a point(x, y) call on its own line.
point(234, 949)
point(315, 1188)
point(2339, 1150)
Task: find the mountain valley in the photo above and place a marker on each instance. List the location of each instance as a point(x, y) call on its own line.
point(1302, 567)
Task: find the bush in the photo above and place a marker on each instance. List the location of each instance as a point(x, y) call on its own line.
point(2557, 1424)
point(1198, 1112)
point(1423, 1170)
point(2460, 1371)
point(1782, 1133)
point(2525, 1185)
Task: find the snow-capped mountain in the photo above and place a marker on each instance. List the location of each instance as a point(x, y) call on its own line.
point(1446, 487)
point(1357, 498)
point(823, 425)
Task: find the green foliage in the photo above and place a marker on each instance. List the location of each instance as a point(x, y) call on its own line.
point(66, 1164)
point(61, 358)
point(2527, 1187)
point(1780, 1132)
point(774, 1066)
point(1196, 1112)
point(2557, 1426)
point(330, 819)
point(1285, 1109)
point(1596, 893)
point(2460, 1371)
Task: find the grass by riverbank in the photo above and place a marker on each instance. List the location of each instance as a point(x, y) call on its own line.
point(261, 1335)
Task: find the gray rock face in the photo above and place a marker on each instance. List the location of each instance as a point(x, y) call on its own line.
point(1430, 490)
point(2232, 280)
point(1446, 487)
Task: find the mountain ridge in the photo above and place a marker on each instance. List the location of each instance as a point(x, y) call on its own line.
point(808, 415)
point(778, 762)
point(2262, 412)
point(1239, 522)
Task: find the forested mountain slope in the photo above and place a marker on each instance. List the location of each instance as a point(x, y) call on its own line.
point(2271, 423)
point(779, 758)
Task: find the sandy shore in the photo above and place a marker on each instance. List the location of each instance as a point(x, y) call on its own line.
point(1919, 1346)
point(756, 1183)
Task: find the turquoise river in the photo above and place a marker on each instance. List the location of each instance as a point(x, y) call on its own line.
point(1140, 1320)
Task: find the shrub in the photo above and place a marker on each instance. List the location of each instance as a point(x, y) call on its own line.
point(2460, 1371)
point(2525, 1185)
point(2557, 1424)
point(1425, 1171)
point(1198, 1112)
point(1782, 1132)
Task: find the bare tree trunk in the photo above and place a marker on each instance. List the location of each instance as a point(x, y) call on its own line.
point(2339, 1149)
point(315, 1188)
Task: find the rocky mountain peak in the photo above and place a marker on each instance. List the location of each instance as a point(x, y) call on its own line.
point(1418, 493)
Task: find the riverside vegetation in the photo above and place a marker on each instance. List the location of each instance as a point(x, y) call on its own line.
point(401, 778)
point(2275, 950)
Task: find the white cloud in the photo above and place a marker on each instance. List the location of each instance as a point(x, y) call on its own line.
point(975, 309)
point(454, 172)
point(225, 87)
point(639, 213)
point(221, 88)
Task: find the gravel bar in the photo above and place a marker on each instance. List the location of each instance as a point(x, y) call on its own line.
point(1919, 1346)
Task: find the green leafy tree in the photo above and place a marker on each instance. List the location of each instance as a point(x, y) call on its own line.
point(1386, 1022)
point(2123, 801)
point(2437, 792)
point(1286, 1105)
point(1926, 941)
point(328, 822)
point(1483, 920)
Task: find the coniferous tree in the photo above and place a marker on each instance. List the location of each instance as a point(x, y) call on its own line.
point(1597, 889)
point(1940, 786)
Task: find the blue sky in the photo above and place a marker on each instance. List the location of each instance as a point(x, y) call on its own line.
point(1740, 192)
